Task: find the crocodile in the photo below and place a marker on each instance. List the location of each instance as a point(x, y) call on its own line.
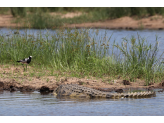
point(74, 90)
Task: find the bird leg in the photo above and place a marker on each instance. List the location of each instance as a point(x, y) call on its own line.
point(23, 67)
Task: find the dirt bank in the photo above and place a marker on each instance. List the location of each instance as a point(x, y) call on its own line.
point(6, 21)
point(152, 22)
point(13, 78)
point(44, 86)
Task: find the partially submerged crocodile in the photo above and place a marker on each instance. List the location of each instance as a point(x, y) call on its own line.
point(73, 90)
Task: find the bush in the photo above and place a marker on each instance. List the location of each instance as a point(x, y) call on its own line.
point(18, 11)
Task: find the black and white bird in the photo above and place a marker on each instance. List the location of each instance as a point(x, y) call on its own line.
point(25, 61)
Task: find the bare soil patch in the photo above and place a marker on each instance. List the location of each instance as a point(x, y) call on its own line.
point(7, 21)
point(153, 22)
point(67, 15)
point(13, 78)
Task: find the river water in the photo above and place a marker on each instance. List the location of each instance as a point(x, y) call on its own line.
point(35, 104)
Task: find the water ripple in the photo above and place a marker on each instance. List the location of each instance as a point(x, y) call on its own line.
point(35, 104)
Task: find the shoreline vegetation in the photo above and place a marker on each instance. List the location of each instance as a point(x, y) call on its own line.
point(83, 17)
point(72, 56)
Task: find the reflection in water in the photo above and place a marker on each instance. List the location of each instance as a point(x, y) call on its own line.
point(35, 104)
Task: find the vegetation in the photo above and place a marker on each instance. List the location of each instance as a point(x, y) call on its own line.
point(18, 11)
point(40, 17)
point(75, 52)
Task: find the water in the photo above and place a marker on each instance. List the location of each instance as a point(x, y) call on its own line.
point(35, 104)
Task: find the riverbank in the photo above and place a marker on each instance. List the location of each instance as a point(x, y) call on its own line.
point(13, 78)
point(153, 22)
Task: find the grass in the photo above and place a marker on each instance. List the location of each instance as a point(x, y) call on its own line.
point(75, 53)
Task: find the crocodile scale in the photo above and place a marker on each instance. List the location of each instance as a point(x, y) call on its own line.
point(74, 90)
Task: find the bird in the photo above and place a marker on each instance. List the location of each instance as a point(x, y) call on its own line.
point(25, 61)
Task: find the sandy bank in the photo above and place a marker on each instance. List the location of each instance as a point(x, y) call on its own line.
point(14, 78)
point(153, 22)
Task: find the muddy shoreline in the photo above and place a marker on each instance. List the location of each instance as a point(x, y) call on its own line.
point(14, 78)
point(47, 88)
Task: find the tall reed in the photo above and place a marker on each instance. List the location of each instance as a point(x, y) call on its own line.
point(139, 58)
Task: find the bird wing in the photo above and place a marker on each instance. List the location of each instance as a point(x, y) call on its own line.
point(23, 60)
point(26, 59)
